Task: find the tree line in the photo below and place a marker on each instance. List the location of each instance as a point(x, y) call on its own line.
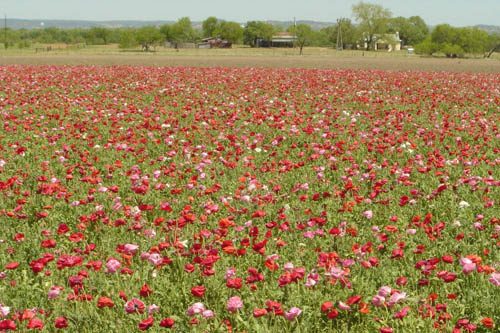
point(371, 21)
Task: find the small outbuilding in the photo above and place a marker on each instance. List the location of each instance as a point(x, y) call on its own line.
point(283, 39)
point(214, 43)
point(388, 42)
point(280, 39)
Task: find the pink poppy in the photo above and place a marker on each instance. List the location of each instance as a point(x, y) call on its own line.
point(293, 313)
point(234, 304)
point(112, 265)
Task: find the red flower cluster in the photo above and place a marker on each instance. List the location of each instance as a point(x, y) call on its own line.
point(177, 197)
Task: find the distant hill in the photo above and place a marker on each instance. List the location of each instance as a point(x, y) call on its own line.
point(315, 25)
point(73, 24)
point(489, 28)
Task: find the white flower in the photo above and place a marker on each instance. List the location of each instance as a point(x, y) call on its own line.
point(153, 308)
point(463, 204)
point(4, 311)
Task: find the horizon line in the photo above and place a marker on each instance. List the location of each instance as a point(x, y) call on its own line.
point(197, 21)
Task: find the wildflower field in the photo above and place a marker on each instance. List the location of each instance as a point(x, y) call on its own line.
point(248, 200)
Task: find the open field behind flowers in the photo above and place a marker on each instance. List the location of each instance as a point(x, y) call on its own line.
point(314, 57)
point(248, 200)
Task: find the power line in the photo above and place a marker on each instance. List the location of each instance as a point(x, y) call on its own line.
point(340, 42)
point(5, 31)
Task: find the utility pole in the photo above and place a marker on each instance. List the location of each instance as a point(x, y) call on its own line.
point(294, 32)
point(5, 31)
point(340, 43)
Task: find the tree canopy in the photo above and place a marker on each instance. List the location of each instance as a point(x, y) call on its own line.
point(182, 31)
point(148, 36)
point(350, 34)
point(210, 26)
point(412, 30)
point(255, 30)
point(230, 31)
point(304, 35)
point(455, 42)
point(372, 19)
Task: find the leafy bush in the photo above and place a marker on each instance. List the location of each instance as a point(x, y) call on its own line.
point(426, 47)
point(452, 50)
point(454, 42)
point(25, 44)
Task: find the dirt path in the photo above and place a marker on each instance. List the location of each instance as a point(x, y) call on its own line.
point(352, 62)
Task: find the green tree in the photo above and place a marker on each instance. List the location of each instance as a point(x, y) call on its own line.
point(473, 40)
point(455, 42)
point(426, 46)
point(127, 39)
point(451, 50)
point(167, 32)
point(304, 35)
point(210, 26)
point(75, 36)
point(182, 31)
point(9, 37)
point(448, 40)
point(231, 31)
point(49, 35)
point(412, 30)
point(445, 34)
point(115, 35)
point(98, 36)
point(255, 30)
point(350, 34)
point(372, 19)
point(321, 37)
point(148, 37)
point(444, 39)
point(493, 44)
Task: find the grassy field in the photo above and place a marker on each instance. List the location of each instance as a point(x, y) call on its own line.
point(314, 57)
point(182, 199)
point(189, 191)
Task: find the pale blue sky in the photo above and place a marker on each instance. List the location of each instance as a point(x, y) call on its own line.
point(455, 12)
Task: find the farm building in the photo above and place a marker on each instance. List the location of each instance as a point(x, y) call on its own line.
point(214, 43)
point(387, 42)
point(283, 39)
point(280, 39)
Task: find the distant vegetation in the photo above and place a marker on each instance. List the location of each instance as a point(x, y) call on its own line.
point(456, 42)
point(371, 22)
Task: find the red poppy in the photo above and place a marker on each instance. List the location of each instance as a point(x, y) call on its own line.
point(259, 312)
point(146, 323)
point(488, 322)
point(60, 322)
point(167, 322)
point(145, 290)
point(332, 314)
point(7, 325)
point(105, 302)
point(35, 323)
point(12, 265)
point(326, 306)
point(198, 291)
